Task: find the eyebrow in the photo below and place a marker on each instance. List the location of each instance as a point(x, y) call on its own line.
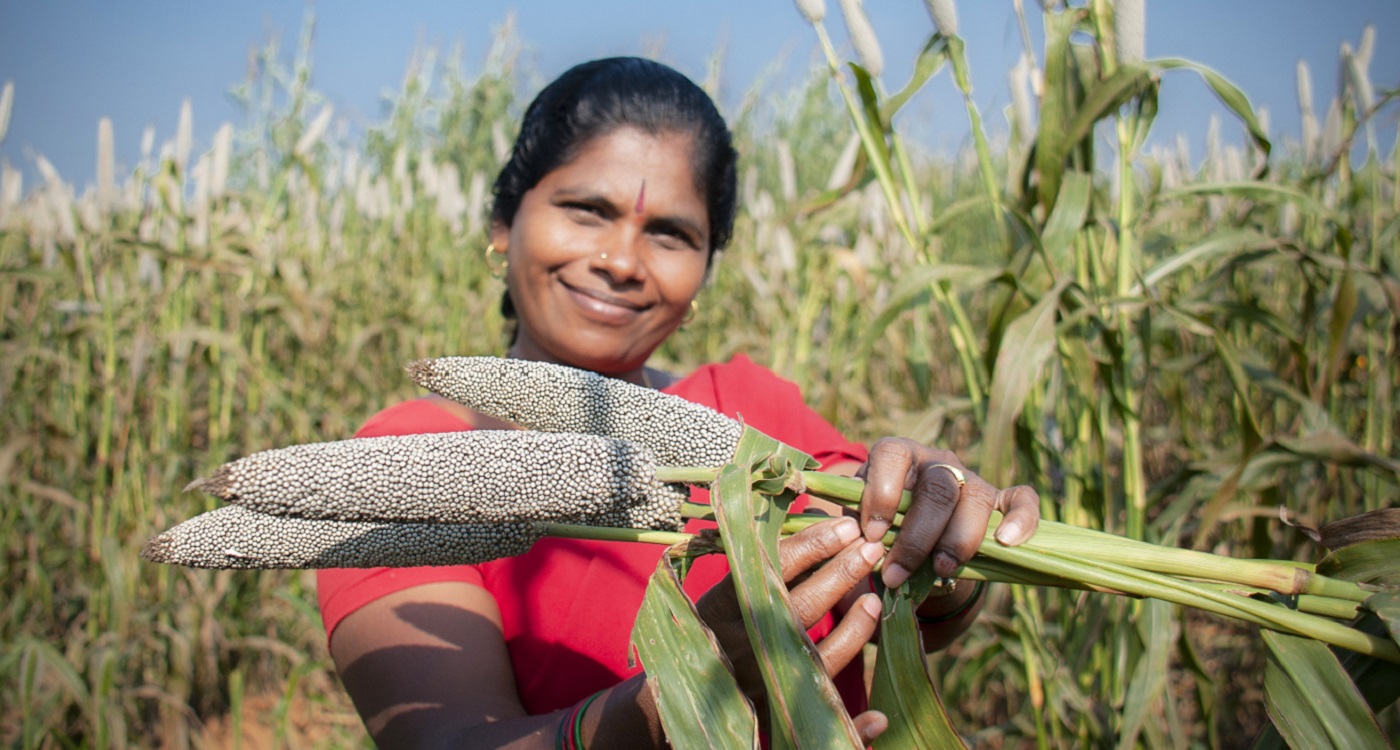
point(683, 224)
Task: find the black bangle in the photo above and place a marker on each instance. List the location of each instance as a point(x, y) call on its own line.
point(957, 612)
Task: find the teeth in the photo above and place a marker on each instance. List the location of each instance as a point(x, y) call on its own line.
point(554, 398)
point(232, 537)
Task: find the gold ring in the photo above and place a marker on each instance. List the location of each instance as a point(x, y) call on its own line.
point(955, 471)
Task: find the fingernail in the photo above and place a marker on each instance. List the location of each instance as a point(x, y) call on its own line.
point(847, 530)
point(1009, 533)
point(875, 530)
point(895, 574)
point(872, 552)
point(871, 604)
point(944, 564)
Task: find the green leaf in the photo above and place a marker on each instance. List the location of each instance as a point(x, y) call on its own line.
point(901, 688)
point(1051, 141)
point(1368, 562)
point(1339, 323)
point(1071, 209)
point(913, 286)
point(1025, 349)
point(1248, 420)
point(1206, 687)
point(870, 110)
point(1311, 700)
point(1334, 447)
point(930, 59)
point(1263, 192)
point(1228, 93)
point(1386, 605)
point(1150, 675)
point(700, 703)
point(1104, 100)
point(805, 708)
point(1224, 243)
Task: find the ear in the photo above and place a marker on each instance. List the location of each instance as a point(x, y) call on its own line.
point(500, 236)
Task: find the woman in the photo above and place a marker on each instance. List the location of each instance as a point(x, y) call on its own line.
point(620, 189)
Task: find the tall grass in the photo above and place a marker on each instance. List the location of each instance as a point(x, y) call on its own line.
point(266, 289)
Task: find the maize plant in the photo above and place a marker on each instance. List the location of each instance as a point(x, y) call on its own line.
point(465, 498)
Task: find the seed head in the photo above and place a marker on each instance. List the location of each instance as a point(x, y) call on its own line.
point(813, 10)
point(1130, 30)
point(473, 477)
point(554, 398)
point(237, 538)
point(945, 16)
point(863, 38)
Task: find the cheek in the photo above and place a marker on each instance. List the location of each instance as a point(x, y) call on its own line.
point(681, 276)
point(547, 243)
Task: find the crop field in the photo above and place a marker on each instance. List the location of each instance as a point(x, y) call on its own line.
point(1193, 349)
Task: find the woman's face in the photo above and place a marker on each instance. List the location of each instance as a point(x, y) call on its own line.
point(606, 253)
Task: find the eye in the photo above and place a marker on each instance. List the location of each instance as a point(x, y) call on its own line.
point(583, 209)
point(673, 237)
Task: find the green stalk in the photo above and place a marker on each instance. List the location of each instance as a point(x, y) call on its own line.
point(961, 332)
point(610, 534)
point(1166, 588)
point(687, 474)
point(958, 57)
point(1052, 536)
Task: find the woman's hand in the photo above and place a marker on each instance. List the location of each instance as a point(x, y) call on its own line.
point(846, 561)
point(948, 516)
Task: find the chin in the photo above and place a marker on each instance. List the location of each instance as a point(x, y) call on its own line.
point(602, 360)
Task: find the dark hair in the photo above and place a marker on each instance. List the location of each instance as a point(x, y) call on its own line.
point(596, 98)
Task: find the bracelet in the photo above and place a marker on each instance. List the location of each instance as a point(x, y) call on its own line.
point(959, 611)
point(570, 733)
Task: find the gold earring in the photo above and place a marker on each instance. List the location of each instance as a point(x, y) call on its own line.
point(694, 308)
point(497, 271)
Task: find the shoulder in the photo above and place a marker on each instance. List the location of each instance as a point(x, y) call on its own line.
point(414, 417)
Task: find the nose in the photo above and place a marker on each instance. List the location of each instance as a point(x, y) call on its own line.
point(622, 257)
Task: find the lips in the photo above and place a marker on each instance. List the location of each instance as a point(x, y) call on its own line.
point(603, 307)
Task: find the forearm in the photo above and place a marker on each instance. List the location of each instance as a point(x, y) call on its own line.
point(622, 716)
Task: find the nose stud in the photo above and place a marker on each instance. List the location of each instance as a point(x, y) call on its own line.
point(603, 256)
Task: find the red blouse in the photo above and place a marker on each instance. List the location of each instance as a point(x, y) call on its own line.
point(567, 606)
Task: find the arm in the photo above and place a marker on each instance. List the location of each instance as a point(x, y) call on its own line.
point(428, 667)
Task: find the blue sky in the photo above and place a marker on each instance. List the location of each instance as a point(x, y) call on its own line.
point(73, 62)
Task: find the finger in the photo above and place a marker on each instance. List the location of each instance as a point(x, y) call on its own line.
point(827, 585)
point(818, 542)
point(968, 526)
point(937, 491)
point(870, 725)
point(1021, 506)
point(887, 473)
point(847, 640)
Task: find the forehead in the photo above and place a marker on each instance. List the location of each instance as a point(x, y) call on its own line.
point(664, 158)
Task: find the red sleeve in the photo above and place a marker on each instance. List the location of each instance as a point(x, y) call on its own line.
point(341, 591)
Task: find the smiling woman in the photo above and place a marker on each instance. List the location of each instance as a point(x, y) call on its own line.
point(617, 194)
point(601, 268)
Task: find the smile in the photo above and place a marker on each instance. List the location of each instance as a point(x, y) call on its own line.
point(602, 307)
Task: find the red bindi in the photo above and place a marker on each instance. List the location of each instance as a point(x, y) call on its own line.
point(641, 198)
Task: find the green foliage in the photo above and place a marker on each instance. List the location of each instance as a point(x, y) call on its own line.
point(1206, 346)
